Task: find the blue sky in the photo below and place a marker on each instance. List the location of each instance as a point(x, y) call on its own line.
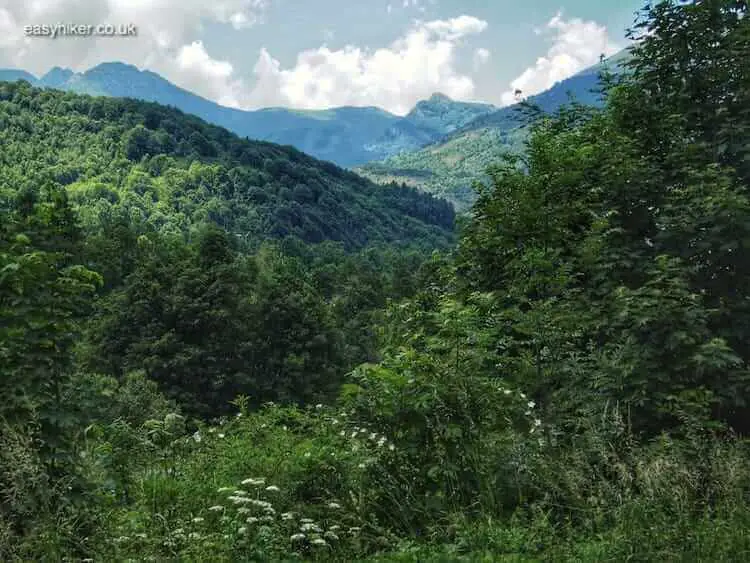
point(316, 54)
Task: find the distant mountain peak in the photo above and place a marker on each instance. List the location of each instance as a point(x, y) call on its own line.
point(439, 97)
point(56, 76)
point(114, 66)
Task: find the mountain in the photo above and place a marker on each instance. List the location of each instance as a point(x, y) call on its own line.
point(449, 167)
point(347, 136)
point(169, 171)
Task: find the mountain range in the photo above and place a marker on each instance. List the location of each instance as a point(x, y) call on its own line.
point(441, 146)
point(347, 136)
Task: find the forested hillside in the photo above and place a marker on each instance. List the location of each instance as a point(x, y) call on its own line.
point(569, 382)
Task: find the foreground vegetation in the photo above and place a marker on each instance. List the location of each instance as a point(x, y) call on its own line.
point(570, 383)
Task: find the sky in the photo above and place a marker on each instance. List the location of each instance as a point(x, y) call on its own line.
point(316, 54)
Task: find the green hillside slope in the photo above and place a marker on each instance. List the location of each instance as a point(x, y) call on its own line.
point(173, 171)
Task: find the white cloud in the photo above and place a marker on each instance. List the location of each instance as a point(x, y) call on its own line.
point(481, 56)
point(394, 78)
point(577, 45)
point(167, 41)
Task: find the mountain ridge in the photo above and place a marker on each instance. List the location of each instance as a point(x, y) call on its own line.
point(347, 135)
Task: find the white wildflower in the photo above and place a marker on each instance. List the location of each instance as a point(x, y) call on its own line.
point(254, 481)
point(318, 541)
point(224, 489)
point(198, 520)
point(307, 454)
point(531, 404)
point(361, 466)
point(266, 518)
point(221, 435)
point(240, 493)
point(243, 510)
point(507, 391)
point(381, 441)
point(391, 447)
point(335, 527)
point(331, 536)
point(297, 537)
point(354, 529)
point(307, 520)
point(373, 436)
point(310, 528)
point(334, 505)
point(342, 433)
point(197, 436)
point(242, 531)
point(194, 536)
point(273, 488)
point(251, 520)
point(216, 508)
point(318, 406)
point(537, 422)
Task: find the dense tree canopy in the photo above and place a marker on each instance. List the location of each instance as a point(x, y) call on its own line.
point(195, 365)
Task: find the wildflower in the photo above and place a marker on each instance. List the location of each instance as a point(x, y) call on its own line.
point(507, 391)
point(297, 537)
point(335, 421)
point(361, 466)
point(221, 435)
point(318, 406)
point(354, 434)
point(197, 436)
point(318, 541)
point(255, 482)
point(243, 510)
point(239, 414)
point(242, 531)
point(334, 505)
point(240, 493)
point(310, 528)
point(342, 433)
point(284, 427)
point(391, 447)
point(239, 500)
point(224, 489)
point(194, 536)
point(523, 396)
point(381, 441)
point(270, 510)
point(307, 520)
point(273, 488)
point(266, 518)
point(198, 520)
point(354, 529)
point(373, 436)
point(334, 528)
point(140, 536)
point(331, 536)
point(537, 422)
point(216, 508)
point(531, 404)
point(251, 520)
point(307, 454)
point(178, 532)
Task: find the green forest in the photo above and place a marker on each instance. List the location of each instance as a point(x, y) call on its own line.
point(214, 349)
